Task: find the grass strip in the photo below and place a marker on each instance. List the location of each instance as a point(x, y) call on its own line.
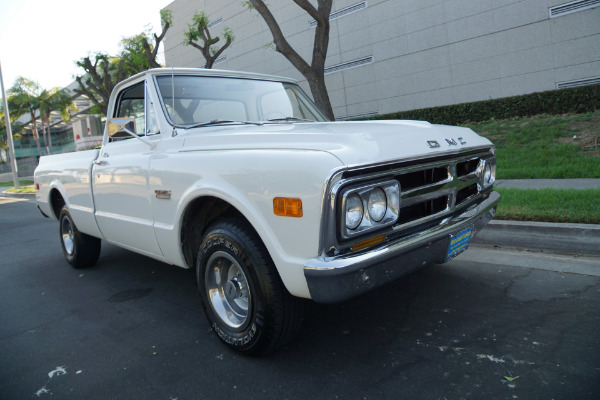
point(28, 189)
point(11, 183)
point(550, 205)
point(546, 146)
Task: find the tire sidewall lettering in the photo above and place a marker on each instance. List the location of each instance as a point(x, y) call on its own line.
point(242, 341)
point(220, 241)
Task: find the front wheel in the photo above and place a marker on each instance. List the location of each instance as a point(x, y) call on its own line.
point(243, 296)
point(79, 249)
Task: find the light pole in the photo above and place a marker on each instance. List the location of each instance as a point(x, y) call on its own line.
point(9, 137)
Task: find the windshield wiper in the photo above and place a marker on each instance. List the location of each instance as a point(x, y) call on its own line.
point(219, 122)
point(288, 119)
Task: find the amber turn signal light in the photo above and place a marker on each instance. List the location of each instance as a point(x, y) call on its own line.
point(286, 207)
point(368, 243)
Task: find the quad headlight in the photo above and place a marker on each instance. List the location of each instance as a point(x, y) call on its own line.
point(354, 211)
point(377, 204)
point(370, 207)
point(487, 173)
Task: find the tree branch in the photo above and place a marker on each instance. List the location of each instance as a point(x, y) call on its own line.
point(218, 53)
point(309, 8)
point(92, 71)
point(197, 46)
point(281, 44)
point(83, 90)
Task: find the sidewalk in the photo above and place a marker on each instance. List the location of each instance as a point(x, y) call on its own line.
point(548, 183)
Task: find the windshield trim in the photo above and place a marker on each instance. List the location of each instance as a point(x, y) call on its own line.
point(210, 123)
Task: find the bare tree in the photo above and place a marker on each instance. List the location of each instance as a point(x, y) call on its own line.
point(104, 72)
point(100, 78)
point(199, 37)
point(315, 71)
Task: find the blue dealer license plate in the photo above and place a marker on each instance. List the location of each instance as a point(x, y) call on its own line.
point(459, 242)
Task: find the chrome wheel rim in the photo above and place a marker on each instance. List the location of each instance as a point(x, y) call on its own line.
point(227, 289)
point(67, 234)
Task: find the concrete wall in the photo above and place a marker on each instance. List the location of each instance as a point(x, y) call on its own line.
point(425, 52)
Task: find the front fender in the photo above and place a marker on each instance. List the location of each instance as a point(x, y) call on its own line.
point(249, 180)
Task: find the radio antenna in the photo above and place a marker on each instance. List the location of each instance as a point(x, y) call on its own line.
point(173, 95)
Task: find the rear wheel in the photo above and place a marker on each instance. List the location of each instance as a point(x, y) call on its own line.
point(243, 296)
point(79, 249)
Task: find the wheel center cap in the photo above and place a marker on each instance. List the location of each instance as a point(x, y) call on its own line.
point(232, 289)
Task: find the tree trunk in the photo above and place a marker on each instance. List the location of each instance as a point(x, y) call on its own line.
point(46, 131)
point(35, 133)
point(49, 138)
point(319, 93)
point(45, 137)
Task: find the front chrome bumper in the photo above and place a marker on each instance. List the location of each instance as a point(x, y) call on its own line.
point(332, 280)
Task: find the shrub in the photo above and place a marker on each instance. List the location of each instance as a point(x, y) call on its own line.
point(562, 101)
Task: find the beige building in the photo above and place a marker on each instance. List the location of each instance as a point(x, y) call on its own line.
point(394, 55)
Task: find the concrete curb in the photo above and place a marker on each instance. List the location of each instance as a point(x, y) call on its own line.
point(548, 236)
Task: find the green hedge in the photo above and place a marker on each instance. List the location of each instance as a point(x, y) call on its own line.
point(563, 101)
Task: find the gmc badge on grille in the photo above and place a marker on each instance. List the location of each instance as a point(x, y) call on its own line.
point(433, 144)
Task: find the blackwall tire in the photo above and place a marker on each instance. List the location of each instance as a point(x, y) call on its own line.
point(79, 249)
point(244, 299)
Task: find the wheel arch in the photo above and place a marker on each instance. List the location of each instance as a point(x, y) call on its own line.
point(198, 215)
point(57, 201)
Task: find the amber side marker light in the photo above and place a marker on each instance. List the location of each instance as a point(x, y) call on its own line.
point(286, 207)
point(368, 243)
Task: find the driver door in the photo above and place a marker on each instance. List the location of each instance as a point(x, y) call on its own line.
point(121, 178)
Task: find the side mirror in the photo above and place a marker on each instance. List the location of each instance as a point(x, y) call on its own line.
point(121, 128)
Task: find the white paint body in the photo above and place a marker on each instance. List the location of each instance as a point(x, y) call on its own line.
point(244, 165)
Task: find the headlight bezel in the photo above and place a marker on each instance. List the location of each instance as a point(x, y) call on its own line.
point(392, 191)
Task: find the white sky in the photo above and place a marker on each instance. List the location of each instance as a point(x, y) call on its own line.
point(41, 39)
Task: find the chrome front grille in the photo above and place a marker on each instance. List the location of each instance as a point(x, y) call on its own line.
point(432, 191)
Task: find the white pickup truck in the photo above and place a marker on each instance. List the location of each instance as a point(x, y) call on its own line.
point(241, 177)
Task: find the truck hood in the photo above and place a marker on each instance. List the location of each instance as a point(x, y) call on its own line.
point(353, 143)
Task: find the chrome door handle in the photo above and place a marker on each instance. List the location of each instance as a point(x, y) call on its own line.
point(100, 162)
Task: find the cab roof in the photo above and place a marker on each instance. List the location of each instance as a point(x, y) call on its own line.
point(209, 72)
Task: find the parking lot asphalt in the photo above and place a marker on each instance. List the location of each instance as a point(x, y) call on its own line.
point(493, 323)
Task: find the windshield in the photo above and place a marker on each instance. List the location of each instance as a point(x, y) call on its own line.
point(205, 100)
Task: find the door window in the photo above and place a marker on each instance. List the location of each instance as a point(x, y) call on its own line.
point(131, 105)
